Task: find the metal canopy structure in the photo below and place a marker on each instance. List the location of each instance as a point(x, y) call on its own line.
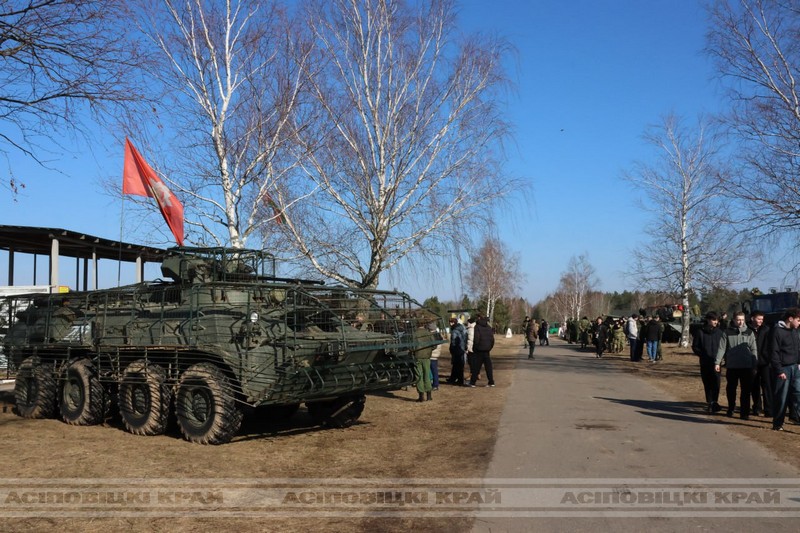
point(57, 242)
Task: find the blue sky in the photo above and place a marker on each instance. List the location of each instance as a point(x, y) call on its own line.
point(590, 77)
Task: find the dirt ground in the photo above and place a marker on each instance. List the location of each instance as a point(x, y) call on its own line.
point(396, 437)
point(451, 437)
point(679, 375)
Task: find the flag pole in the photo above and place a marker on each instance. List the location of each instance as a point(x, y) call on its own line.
point(121, 230)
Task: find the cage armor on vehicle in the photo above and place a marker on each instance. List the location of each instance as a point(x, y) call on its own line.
point(224, 334)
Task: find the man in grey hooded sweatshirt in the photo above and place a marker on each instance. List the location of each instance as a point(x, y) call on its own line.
point(738, 347)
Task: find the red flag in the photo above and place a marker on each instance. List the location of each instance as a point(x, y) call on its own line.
point(139, 179)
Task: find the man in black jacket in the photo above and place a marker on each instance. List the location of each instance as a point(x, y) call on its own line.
point(458, 349)
point(784, 361)
point(705, 345)
point(481, 346)
point(762, 384)
point(599, 336)
point(544, 336)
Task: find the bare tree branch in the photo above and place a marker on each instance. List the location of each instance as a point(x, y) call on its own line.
point(232, 77)
point(575, 285)
point(494, 274)
point(406, 146)
point(59, 59)
point(688, 245)
point(754, 44)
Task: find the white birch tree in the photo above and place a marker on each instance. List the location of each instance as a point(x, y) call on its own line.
point(689, 243)
point(231, 74)
point(561, 305)
point(406, 150)
point(576, 282)
point(493, 274)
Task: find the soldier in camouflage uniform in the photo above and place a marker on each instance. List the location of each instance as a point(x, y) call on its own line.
point(572, 331)
point(619, 337)
point(583, 329)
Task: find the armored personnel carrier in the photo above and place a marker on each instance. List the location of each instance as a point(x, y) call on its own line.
point(221, 334)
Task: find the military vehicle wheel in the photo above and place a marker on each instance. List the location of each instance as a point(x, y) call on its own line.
point(144, 398)
point(205, 405)
point(34, 390)
point(338, 413)
point(83, 401)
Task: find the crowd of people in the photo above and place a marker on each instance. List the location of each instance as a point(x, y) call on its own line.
point(640, 334)
point(470, 349)
point(470, 341)
point(761, 364)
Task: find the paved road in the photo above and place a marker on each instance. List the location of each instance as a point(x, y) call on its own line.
point(571, 416)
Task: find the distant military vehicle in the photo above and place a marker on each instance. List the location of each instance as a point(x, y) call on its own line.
point(224, 334)
point(772, 305)
point(671, 315)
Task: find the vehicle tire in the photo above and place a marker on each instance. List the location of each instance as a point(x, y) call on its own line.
point(205, 405)
point(82, 399)
point(144, 398)
point(339, 413)
point(35, 390)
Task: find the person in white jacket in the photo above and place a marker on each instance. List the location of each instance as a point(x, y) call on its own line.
point(470, 338)
point(437, 351)
point(632, 332)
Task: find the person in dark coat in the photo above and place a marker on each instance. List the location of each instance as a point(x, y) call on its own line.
point(599, 337)
point(738, 347)
point(784, 363)
point(652, 336)
point(762, 384)
point(481, 347)
point(525, 324)
point(705, 346)
point(458, 348)
point(530, 335)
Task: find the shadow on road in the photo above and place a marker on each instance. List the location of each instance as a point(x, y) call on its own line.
point(684, 411)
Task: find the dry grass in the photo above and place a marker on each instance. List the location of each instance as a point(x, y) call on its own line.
point(396, 437)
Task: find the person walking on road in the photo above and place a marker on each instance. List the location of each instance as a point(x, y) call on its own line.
point(525, 324)
point(785, 359)
point(544, 333)
point(530, 335)
point(484, 342)
point(738, 347)
point(583, 329)
point(705, 346)
point(599, 337)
